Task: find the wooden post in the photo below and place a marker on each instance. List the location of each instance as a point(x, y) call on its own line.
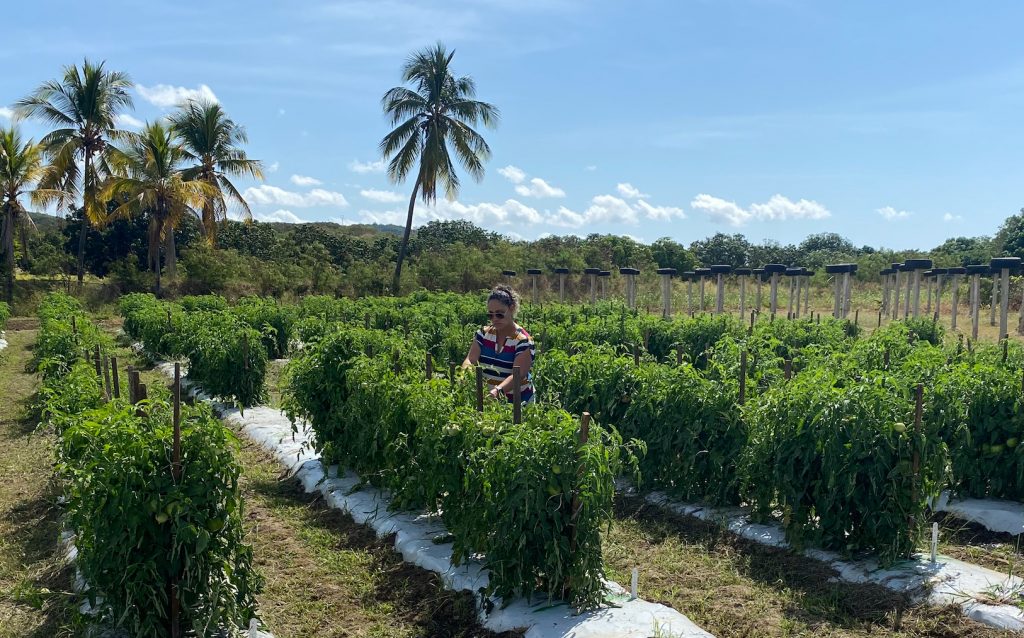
point(366, 321)
point(106, 378)
point(1006, 348)
point(679, 354)
point(743, 376)
point(479, 389)
point(879, 318)
point(856, 317)
point(896, 293)
point(885, 359)
point(517, 397)
point(430, 367)
point(245, 351)
point(98, 363)
point(117, 380)
point(451, 372)
point(574, 510)
point(788, 370)
point(636, 354)
point(916, 458)
point(74, 325)
point(175, 612)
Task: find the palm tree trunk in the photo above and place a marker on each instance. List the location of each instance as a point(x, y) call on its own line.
point(87, 188)
point(405, 240)
point(7, 243)
point(170, 257)
point(26, 257)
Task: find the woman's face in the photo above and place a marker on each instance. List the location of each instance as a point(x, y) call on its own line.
point(499, 314)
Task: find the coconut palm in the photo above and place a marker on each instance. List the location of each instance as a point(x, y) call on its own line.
point(211, 141)
point(437, 112)
point(21, 167)
point(148, 180)
point(82, 105)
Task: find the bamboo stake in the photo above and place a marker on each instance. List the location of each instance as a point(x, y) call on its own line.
point(117, 380)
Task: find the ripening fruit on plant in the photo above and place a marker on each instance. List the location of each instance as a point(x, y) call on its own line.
point(900, 427)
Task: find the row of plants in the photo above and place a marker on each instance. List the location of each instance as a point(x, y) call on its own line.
point(531, 499)
point(5, 314)
point(138, 528)
point(227, 356)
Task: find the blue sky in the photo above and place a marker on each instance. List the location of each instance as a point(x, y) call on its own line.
point(895, 124)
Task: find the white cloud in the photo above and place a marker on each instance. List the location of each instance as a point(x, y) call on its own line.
point(123, 120)
point(591, 168)
point(280, 112)
point(6, 112)
point(777, 208)
point(510, 212)
point(265, 194)
point(539, 188)
point(659, 213)
point(165, 95)
point(603, 208)
point(950, 217)
point(280, 215)
point(782, 208)
point(721, 210)
point(388, 197)
point(366, 167)
point(629, 191)
point(513, 174)
point(273, 167)
point(303, 180)
point(891, 214)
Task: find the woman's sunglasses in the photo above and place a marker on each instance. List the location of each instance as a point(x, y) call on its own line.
point(495, 315)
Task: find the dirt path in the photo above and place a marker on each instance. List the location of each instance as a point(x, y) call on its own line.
point(34, 584)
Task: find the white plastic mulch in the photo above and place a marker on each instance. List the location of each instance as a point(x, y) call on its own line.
point(984, 595)
point(1006, 517)
point(415, 539)
point(3, 341)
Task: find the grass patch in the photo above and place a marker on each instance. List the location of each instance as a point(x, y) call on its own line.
point(35, 599)
point(736, 588)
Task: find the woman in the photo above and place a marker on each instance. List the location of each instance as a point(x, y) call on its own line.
point(502, 345)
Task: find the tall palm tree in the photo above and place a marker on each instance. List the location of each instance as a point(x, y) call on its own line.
point(21, 167)
point(148, 180)
point(211, 140)
point(437, 112)
point(82, 105)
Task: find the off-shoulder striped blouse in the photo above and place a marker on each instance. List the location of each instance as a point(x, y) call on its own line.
point(496, 362)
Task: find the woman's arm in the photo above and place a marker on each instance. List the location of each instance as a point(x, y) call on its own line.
point(474, 355)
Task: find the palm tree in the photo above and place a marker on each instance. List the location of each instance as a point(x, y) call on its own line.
point(21, 167)
point(148, 179)
point(439, 110)
point(82, 105)
point(211, 140)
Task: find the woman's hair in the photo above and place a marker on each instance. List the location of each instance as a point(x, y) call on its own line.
point(506, 295)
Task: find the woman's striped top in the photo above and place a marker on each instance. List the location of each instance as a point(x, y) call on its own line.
point(496, 361)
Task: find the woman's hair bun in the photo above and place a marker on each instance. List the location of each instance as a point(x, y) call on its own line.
point(506, 295)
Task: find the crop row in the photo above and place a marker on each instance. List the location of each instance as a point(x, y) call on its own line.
point(137, 526)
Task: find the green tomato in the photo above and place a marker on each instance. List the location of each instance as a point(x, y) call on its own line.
point(1012, 442)
point(997, 449)
point(214, 524)
point(162, 518)
point(900, 427)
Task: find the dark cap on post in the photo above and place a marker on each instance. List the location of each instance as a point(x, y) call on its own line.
point(562, 271)
point(605, 273)
point(741, 271)
point(533, 271)
point(772, 269)
point(509, 273)
point(918, 264)
point(959, 270)
point(978, 269)
point(1005, 262)
point(666, 271)
point(591, 271)
point(629, 271)
point(721, 269)
point(702, 272)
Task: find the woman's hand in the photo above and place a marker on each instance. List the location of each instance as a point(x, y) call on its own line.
point(495, 392)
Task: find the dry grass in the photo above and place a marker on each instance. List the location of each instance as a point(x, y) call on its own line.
point(738, 589)
point(34, 582)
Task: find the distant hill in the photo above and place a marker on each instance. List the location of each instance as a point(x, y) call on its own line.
point(44, 222)
point(354, 230)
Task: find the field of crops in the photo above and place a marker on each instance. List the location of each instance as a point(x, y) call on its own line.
point(839, 437)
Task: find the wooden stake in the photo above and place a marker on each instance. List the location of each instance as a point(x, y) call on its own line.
point(451, 372)
point(788, 369)
point(885, 360)
point(679, 355)
point(98, 363)
point(743, 376)
point(479, 389)
point(175, 611)
point(636, 355)
point(106, 377)
point(1006, 348)
point(879, 318)
point(430, 367)
point(517, 397)
point(916, 459)
point(245, 351)
point(574, 508)
point(117, 381)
